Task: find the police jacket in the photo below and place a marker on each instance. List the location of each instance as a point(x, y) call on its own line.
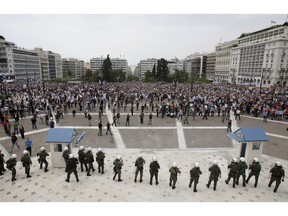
point(1, 158)
point(65, 155)
point(43, 155)
point(81, 155)
point(215, 171)
point(26, 160)
point(139, 163)
point(100, 156)
point(154, 166)
point(14, 138)
point(89, 157)
point(255, 167)
point(72, 163)
point(233, 166)
point(277, 172)
point(118, 164)
point(195, 172)
point(242, 166)
point(174, 171)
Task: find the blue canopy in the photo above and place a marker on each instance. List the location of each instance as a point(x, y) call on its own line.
point(61, 135)
point(249, 135)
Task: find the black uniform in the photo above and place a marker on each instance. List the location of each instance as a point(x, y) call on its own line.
point(2, 168)
point(215, 173)
point(71, 166)
point(277, 172)
point(26, 162)
point(154, 168)
point(65, 155)
point(100, 160)
point(42, 159)
point(194, 177)
point(255, 168)
point(11, 165)
point(173, 176)
point(242, 166)
point(118, 163)
point(233, 166)
point(139, 163)
point(82, 159)
point(90, 160)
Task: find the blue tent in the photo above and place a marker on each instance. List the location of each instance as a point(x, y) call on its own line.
point(244, 135)
point(61, 135)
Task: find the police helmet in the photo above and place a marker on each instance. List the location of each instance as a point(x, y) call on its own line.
point(0, 149)
point(42, 149)
point(81, 147)
point(256, 160)
point(14, 156)
point(278, 163)
point(154, 159)
point(65, 148)
point(89, 149)
point(242, 159)
point(235, 159)
point(25, 152)
point(99, 149)
point(196, 164)
point(139, 155)
point(118, 156)
point(215, 162)
point(174, 164)
point(71, 156)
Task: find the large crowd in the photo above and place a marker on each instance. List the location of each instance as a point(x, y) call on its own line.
point(165, 98)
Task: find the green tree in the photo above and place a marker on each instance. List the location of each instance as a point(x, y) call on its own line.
point(88, 75)
point(148, 76)
point(106, 69)
point(69, 74)
point(162, 70)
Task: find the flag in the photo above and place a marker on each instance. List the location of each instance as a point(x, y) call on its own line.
point(273, 22)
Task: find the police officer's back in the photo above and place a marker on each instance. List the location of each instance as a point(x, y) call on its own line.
point(277, 172)
point(255, 169)
point(72, 167)
point(154, 169)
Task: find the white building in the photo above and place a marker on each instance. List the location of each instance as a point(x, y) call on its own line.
point(117, 64)
point(223, 61)
point(196, 64)
point(146, 65)
point(261, 54)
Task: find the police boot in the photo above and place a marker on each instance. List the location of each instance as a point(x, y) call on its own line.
point(67, 180)
point(141, 180)
point(114, 177)
point(214, 188)
point(207, 185)
point(244, 185)
point(194, 190)
point(173, 187)
point(135, 180)
point(255, 185)
point(226, 181)
point(119, 180)
point(157, 182)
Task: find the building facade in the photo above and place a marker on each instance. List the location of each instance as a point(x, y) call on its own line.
point(261, 57)
point(223, 61)
point(146, 65)
point(117, 64)
point(210, 66)
point(195, 65)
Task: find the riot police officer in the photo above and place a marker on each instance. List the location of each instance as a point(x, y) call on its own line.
point(139, 163)
point(233, 172)
point(154, 168)
point(255, 168)
point(26, 161)
point(65, 155)
point(11, 165)
point(90, 160)
point(242, 166)
point(118, 163)
point(100, 155)
point(277, 172)
point(195, 173)
point(174, 170)
point(72, 167)
point(215, 174)
point(82, 158)
point(42, 158)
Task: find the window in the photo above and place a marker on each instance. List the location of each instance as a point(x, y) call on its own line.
point(256, 146)
point(57, 147)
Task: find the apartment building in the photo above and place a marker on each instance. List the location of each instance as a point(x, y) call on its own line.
point(261, 57)
point(223, 61)
point(210, 66)
point(117, 64)
point(195, 64)
point(146, 65)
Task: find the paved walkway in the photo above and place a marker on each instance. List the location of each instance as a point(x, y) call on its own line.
point(51, 186)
